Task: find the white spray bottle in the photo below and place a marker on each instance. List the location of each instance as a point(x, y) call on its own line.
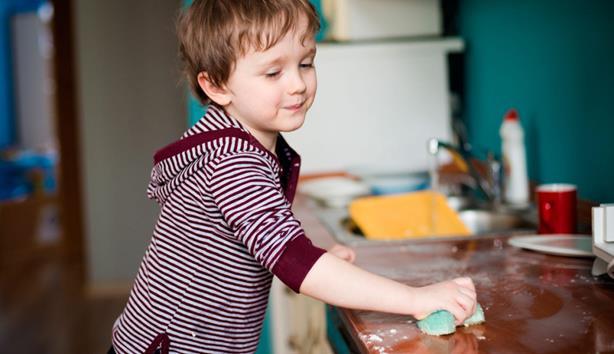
point(516, 181)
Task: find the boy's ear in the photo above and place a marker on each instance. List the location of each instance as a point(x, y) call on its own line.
point(219, 95)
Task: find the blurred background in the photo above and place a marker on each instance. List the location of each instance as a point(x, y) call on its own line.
point(90, 89)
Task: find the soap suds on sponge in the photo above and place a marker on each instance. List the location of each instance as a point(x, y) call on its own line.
point(441, 322)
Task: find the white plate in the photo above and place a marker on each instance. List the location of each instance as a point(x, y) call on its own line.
point(334, 191)
point(556, 244)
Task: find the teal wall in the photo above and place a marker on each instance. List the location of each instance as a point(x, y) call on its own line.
point(195, 110)
point(554, 62)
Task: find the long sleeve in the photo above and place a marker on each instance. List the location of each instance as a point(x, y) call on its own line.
point(244, 188)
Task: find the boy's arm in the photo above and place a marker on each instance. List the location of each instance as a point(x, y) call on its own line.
point(242, 185)
point(244, 191)
point(340, 283)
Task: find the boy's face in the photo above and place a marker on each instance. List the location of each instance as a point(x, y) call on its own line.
point(270, 91)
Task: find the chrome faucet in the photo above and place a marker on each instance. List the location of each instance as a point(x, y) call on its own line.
point(490, 185)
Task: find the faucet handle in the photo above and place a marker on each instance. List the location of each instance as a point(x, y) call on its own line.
point(495, 176)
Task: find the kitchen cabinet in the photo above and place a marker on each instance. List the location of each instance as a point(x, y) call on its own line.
point(368, 19)
point(298, 322)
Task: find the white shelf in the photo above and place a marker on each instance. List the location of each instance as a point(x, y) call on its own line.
point(445, 44)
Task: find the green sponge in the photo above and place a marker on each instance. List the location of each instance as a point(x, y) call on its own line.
point(476, 318)
point(442, 322)
point(438, 323)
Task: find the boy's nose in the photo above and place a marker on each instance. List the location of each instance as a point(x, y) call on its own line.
point(296, 84)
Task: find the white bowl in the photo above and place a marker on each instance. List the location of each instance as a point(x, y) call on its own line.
point(334, 191)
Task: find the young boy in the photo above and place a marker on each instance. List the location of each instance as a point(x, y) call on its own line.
point(226, 188)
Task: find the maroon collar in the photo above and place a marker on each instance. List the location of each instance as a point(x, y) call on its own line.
point(287, 159)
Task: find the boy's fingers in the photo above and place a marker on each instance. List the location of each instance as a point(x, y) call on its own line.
point(468, 293)
point(465, 282)
point(345, 253)
point(466, 303)
point(352, 256)
point(471, 297)
point(459, 314)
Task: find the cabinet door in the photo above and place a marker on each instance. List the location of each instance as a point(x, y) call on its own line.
point(298, 322)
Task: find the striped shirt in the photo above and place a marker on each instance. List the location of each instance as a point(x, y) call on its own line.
point(224, 228)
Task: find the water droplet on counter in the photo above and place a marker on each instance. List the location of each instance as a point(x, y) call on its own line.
point(381, 350)
point(374, 338)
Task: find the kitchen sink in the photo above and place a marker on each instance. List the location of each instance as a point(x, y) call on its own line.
point(481, 221)
point(489, 221)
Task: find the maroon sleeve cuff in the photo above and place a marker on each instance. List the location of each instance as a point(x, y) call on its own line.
point(296, 261)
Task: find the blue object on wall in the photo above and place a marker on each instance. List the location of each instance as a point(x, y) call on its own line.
point(9, 8)
point(552, 60)
point(14, 183)
point(16, 170)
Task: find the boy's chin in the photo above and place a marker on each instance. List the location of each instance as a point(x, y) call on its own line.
point(292, 123)
point(292, 127)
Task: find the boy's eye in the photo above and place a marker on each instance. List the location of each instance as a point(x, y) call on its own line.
point(306, 65)
point(272, 74)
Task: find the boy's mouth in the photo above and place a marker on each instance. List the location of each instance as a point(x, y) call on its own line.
point(295, 107)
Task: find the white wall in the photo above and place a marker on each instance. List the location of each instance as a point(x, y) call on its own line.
point(377, 105)
point(130, 105)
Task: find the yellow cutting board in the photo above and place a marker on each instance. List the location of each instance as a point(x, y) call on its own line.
point(411, 215)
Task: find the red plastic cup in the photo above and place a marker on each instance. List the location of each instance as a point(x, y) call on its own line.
point(556, 204)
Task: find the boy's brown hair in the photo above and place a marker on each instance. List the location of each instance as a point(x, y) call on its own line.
point(213, 34)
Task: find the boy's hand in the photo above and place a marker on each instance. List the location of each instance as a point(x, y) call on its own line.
point(457, 296)
point(345, 253)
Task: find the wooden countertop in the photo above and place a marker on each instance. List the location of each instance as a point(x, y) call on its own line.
point(534, 303)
